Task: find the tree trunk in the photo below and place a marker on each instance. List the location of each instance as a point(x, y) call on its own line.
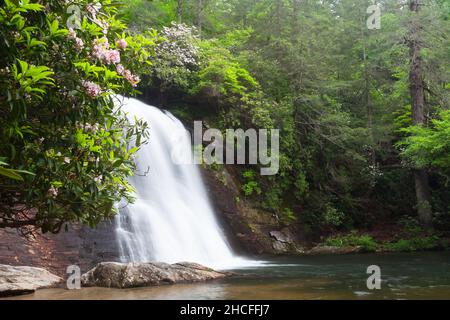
point(180, 11)
point(423, 193)
point(295, 18)
point(278, 18)
point(200, 16)
point(367, 100)
point(162, 97)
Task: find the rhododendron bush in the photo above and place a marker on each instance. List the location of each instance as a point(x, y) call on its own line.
point(63, 141)
point(176, 57)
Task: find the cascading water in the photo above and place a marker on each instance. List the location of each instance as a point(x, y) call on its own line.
point(171, 219)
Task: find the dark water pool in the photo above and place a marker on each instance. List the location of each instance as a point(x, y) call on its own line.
point(404, 276)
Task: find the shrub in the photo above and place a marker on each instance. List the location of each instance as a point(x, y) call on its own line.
point(59, 120)
point(176, 56)
point(352, 239)
point(251, 186)
point(414, 244)
point(333, 217)
point(288, 216)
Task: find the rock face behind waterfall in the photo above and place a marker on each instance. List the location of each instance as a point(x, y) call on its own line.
point(131, 275)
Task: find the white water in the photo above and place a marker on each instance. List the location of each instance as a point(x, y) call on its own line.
point(172, 219)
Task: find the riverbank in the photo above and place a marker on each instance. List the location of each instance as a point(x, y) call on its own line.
point(255, 231)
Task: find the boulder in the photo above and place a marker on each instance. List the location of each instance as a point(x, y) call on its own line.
point(282, 237)
point(24, 280)
point(335, 250)
point(131, 275)
point(284, 242)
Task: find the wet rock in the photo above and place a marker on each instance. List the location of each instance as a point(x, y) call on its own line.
point(24, 280)
point(283, 241)
point(247, 228)
point(281, 236)
point(280, 247)
point(335, 250)
point(131, 275)
point(80, 245)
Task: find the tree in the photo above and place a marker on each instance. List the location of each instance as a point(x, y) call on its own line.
point(338, 91)
point(200, 8)
point(176, 56)
point(180, 10)
point(63, 134)
point(429, 147)
point(416, 80)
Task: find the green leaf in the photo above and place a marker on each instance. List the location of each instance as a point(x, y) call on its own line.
point(10, 173)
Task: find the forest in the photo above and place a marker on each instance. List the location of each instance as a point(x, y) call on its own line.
point(359, 89)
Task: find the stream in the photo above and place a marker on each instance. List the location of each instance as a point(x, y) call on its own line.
point(424, 275)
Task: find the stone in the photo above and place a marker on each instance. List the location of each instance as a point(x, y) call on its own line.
point(131, 275)
point(17, 280)
point(281, 236)
point(335, 250)
point(280, 247)
point(283, 241)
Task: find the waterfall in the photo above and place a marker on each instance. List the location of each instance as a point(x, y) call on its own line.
point(172, 219)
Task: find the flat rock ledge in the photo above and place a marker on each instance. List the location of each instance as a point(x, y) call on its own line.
point(131, 275)
point(24, 280)
point(334, 250)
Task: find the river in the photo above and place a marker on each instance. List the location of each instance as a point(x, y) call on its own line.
point(423, 275)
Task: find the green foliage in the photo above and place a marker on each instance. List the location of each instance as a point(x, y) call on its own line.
point(351, 240)
point(62, 133)
point(250, 186)
point(10, 173)
point(414, 244)
point(339, 93)
point(429, 147)
point(414, 237)
point(410, 226)
point(333, 217)
point(220, 77)
point(139, 14)
point(176, 57)
point(288, 216)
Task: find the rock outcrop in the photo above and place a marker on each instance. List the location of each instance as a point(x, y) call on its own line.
point(283, 241)
point(79, 246)
point(251, 230)
point(24, 280)
point(131, 275)
point(334, 250)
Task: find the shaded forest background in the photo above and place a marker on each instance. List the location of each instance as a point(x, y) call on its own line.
point(362, 106)
point(363, 112)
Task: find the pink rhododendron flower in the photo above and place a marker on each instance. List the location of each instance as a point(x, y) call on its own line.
point(122, 44)
point(92, 89)
point(93, 9)
point(72, 34)
point(79, 44)
point(112, 56)
point(120, 69)
point(131, 78)
point(98, 52)
point(134, 80)
point(101, 51)
point(52, 192)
